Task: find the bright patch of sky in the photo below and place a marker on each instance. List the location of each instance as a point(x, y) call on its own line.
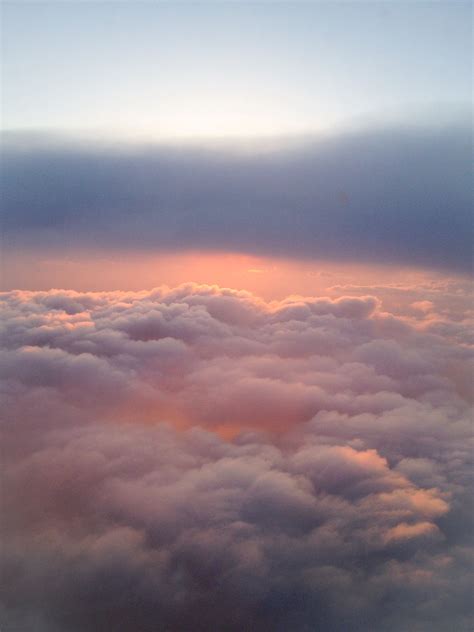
point(216, 69)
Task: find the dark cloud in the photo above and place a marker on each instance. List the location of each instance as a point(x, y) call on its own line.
point(342, 502)
point(400, 194)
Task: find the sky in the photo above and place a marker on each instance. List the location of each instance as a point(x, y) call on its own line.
point(236, 349)
point(227, 68)
point(154, 128)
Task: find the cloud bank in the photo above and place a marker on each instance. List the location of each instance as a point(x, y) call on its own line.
point(399, 194)
point(197, 458)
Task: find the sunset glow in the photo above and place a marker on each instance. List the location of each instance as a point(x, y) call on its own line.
point(270, 278)
point(236, 350)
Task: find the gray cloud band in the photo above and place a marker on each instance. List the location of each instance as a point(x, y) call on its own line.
point(399, 195)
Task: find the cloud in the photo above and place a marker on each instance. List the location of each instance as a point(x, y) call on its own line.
point(197, 458)
point(396, 195)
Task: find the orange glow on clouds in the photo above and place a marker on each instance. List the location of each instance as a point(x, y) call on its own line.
point(270, 278)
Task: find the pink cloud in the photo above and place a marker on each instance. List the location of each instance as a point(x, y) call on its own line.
point(199, 454)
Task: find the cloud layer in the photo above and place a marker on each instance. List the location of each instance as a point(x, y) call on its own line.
point(196, 458)
point(401, 194)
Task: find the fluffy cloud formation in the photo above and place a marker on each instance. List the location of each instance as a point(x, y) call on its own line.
point(401, 194)
point(197, 458)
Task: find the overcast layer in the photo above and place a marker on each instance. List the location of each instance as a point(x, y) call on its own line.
point(198, 459)
point(395, 194)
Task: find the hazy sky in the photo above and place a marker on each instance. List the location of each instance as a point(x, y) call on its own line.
point(184, 69)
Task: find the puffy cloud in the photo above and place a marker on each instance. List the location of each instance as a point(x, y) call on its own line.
point(197, 458)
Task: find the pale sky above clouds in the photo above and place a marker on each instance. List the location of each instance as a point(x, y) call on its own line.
point(210, 69)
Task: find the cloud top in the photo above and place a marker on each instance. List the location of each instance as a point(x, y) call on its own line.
point(197, 458)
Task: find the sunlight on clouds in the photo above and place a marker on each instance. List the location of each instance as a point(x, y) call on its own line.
point(236, 349)
point(201, 437)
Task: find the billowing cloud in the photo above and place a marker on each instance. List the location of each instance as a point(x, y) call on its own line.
point(401, 194)
point(197, 458)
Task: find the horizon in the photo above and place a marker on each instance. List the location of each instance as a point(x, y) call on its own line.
point(236, 350)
